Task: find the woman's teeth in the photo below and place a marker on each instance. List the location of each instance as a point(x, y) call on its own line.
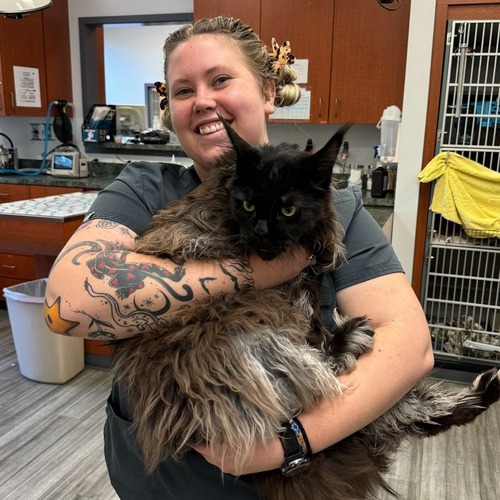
point(211, 128)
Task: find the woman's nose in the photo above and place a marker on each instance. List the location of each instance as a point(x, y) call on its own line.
point(204, 101)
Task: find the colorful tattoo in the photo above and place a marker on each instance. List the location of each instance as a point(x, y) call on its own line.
point(53, 318)
point(128, 277)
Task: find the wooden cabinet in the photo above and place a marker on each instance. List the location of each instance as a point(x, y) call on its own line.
point(368, 60)
point(14, 268)
point(310, 35)
point(356, 53)
point(248, 12)
point(17, 267)
point(40, 40)
point(308, 27)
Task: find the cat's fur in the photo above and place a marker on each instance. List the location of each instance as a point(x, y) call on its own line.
point(229, 370)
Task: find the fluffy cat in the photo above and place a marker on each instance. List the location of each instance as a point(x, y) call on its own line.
point(229, 370)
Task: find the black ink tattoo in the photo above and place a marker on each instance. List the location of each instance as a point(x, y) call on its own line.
point(239, 270)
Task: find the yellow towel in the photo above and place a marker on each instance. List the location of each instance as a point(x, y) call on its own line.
point(465, 192)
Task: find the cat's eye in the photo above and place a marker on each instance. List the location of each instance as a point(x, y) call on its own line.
point(289, 211)
point(248, 207)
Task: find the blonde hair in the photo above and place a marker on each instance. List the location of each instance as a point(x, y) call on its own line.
point(253, 49)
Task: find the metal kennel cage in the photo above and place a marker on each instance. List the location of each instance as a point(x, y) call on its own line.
point(461, 292)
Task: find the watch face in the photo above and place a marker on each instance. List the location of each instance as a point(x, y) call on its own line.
point(296, 466)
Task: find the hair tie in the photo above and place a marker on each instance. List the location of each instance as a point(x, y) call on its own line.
point(281, 55)
point(161, 89)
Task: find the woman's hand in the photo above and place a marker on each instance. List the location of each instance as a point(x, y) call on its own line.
point(272, 273)
point(265, 457)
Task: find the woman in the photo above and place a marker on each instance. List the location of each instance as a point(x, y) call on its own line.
point(221, 66)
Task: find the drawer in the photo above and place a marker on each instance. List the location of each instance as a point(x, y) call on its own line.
point(17, 266)
point(41, 191)
point(13, 192)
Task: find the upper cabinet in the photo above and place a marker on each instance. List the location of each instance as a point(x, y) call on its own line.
point(249, 12)
point(41, 41)
point(368, 60)
point(356, 53)
point(308, 27)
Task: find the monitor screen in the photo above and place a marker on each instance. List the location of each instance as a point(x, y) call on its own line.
point(63, 161)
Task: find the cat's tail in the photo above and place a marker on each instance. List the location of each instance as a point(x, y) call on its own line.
point(431, 408)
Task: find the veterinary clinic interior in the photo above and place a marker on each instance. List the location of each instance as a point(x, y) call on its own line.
point(419, 80)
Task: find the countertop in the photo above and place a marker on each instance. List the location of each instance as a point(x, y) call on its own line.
point(102, 174)
point(58, 208)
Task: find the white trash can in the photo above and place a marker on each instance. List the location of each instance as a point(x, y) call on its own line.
point(43, 356)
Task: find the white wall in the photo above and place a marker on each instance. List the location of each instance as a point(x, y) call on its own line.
point(414, 114)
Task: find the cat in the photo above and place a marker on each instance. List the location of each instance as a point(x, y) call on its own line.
point(229, 370)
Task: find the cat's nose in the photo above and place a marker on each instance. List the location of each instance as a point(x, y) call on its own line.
point(261, 228)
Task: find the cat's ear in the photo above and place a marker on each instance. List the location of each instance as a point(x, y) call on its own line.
point(244, 151)
point(321, 162)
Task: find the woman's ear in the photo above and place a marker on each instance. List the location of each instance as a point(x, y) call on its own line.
point(269, 96)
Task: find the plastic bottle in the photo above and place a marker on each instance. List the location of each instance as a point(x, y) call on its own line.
point(389, 129)
point(309, 146)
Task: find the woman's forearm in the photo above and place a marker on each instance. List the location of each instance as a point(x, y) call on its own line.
point(402, 355)
point(381, 378)
point(99, 288)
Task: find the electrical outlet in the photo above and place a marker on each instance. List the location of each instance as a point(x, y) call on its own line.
point(38, 132)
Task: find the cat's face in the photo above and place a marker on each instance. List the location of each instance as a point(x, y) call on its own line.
point(279, 193)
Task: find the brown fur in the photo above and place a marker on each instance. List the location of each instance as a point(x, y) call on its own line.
point(229, 370)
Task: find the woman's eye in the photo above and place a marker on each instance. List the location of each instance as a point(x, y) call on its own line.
point(182, 92)
point(289, 211)
point(221, 79)
point(248, 207)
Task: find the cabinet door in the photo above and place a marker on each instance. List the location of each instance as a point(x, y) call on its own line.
point(21, 44)
point(308, 27)
point(368, 60)
point(57, 52)
point(248, 12)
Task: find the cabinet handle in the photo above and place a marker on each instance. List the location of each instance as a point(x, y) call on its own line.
point(320, 111)
point(5, 195)
point(336, 107)
point(12, 99)
point(5, 266)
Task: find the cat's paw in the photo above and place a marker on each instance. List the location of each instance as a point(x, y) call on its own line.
point(351, 338)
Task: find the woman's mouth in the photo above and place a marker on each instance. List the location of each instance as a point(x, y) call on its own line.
point(210, 129)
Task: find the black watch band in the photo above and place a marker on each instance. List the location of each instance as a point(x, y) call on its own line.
point(296, 460)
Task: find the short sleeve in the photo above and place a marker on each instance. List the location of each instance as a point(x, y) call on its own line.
point(139, 191)
point(369, 253)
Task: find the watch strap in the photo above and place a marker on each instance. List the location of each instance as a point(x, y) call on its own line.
point(291, 446)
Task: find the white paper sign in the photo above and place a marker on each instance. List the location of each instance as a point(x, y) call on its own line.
point(27, 87)
point(299, 111)
point(301, 66)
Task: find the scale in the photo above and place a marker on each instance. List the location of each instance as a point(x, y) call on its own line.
point(8, 156)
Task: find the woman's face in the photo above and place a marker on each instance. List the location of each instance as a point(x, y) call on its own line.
point(207, 75)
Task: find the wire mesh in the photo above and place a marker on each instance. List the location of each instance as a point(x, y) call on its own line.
point(462, 298)
point(471, 114)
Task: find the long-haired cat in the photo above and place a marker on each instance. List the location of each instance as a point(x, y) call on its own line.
point(229, 370)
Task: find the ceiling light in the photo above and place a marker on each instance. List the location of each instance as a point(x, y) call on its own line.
point(16, 9)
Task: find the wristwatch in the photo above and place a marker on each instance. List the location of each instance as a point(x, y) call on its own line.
point(296, 461)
